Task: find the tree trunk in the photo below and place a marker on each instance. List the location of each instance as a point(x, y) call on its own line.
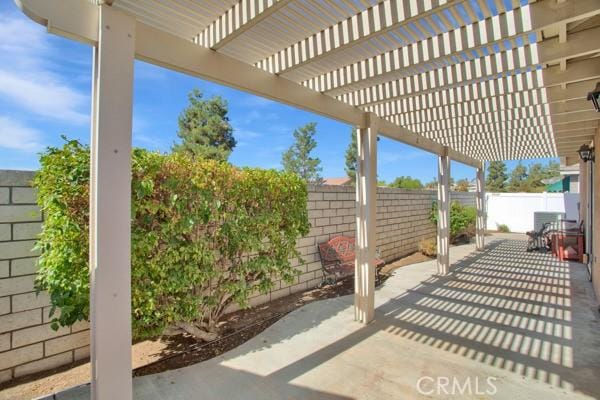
point(198, 333)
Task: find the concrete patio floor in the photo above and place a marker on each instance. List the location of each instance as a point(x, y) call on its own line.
point(514, 325)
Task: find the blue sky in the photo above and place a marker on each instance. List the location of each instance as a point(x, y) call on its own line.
point(45, 92)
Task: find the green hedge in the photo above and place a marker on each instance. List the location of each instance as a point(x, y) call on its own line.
point(205, 234)
point(462, 220)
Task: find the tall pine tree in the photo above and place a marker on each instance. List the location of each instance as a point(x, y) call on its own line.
point(496, 179)
point(204, 128)
point(297, 158)
point(518, 178)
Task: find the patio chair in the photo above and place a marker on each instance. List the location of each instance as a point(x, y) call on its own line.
point(337, 259)
point(540, 239)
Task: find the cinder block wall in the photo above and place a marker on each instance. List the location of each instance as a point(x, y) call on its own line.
point(465, 198)
point(402, 222)
point(28, 344)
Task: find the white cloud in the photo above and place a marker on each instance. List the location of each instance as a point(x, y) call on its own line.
point(27, 79)
point(16, 136)
point(45, 98)
point(19, 36)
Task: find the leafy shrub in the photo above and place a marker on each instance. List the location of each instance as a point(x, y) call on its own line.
point(205, 235)
point(502, 228)
point(428, 247)
point(462, 220)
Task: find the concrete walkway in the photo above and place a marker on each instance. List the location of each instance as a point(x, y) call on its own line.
point(504, 324)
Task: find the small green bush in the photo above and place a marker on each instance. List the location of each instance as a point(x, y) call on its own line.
point(428, 247)
point(502, 228)
point(462, 220)
point(205, 235)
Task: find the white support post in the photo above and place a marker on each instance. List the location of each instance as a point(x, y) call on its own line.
point(110, 206)
point(366, 210)
point(480, 203)
point(443, 226)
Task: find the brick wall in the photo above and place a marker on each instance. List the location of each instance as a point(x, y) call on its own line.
point(28, 344)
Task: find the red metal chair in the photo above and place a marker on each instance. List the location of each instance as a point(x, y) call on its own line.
point(338, 257)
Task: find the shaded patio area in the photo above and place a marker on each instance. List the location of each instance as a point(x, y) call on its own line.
point(508, 322)
point(487, 80)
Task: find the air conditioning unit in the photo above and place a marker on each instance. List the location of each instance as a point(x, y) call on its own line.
point(542, 217)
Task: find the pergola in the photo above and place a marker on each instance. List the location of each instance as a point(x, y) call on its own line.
point(467, 80)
